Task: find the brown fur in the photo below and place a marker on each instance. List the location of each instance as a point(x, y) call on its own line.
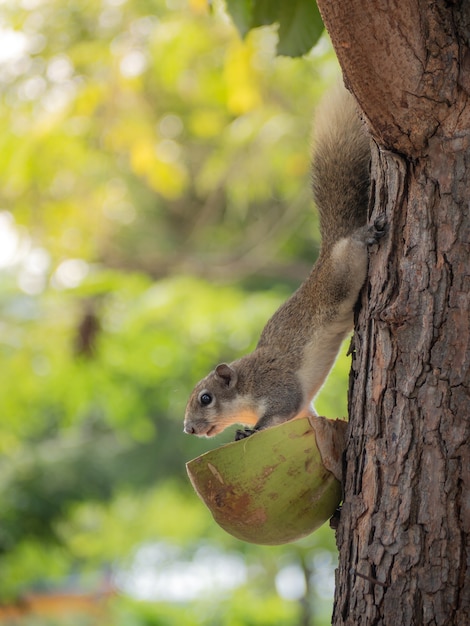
point(299, 344)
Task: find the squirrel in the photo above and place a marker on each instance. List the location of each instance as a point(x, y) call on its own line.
point(298, 346)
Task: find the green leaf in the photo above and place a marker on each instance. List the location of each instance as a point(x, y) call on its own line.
point(300, 22)
point(241, 12)
point(266, 12)
point(300, 27)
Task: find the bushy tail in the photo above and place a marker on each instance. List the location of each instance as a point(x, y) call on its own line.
point(340, 166)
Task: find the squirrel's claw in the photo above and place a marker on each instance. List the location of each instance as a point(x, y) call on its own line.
point(377, 230)
point(243, 433)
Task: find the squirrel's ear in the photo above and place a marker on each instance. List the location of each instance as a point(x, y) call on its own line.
point(227, 375)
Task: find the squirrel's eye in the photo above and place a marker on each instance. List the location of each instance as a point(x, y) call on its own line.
point(205, 398)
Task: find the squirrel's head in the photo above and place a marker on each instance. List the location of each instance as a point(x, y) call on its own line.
point(215, 403)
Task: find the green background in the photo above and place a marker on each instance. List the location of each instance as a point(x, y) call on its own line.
point(154, 211)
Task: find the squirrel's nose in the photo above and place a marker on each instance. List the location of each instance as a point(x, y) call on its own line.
point(189, 430)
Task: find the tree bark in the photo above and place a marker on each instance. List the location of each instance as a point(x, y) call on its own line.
point(404, 534)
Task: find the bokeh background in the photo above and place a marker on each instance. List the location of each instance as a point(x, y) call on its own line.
point(155, 210)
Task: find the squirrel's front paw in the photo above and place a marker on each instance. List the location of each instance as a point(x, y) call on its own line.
point(244, 433)
point(377, 230)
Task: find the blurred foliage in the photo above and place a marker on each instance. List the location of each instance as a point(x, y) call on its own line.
point(154, 211)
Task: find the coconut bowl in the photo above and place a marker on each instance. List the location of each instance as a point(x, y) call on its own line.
point(275, 486)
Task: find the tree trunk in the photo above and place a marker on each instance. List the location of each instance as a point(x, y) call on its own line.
point(404, 532)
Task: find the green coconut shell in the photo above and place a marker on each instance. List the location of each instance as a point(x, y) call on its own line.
point(273, 487)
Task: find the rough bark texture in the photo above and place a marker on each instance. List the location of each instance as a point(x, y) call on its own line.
point(404, 534)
